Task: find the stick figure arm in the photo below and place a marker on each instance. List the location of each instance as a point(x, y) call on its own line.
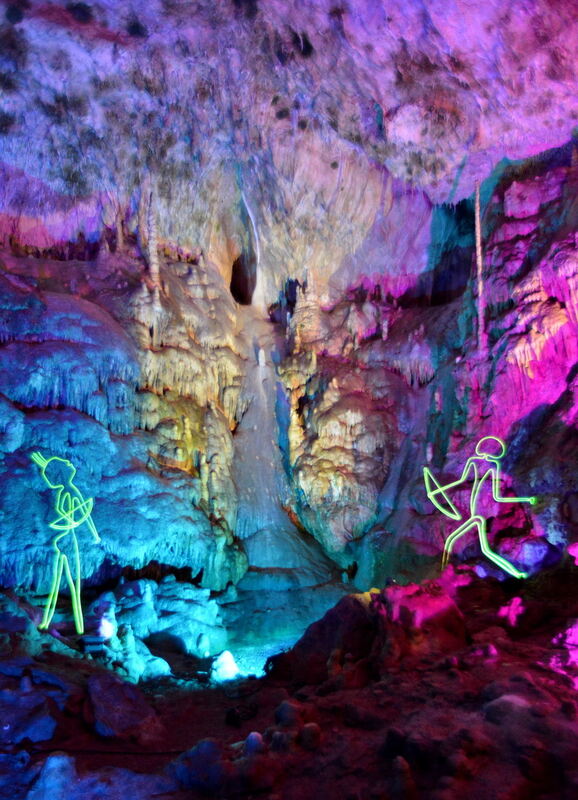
point(497, 494)
point(461, 479)
point(92, 528)
point(86, 506)
point(68, 508)
point(446, 506)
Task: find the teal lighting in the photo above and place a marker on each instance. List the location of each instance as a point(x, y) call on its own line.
point(225, 668)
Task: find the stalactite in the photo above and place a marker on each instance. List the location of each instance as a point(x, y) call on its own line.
point(142, 213)
point(482, 334)
point(153, 243)
point(119, 231)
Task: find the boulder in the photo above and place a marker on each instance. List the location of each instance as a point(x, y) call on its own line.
point(119, 710)
point(415, 621)
point(57, 779)
point(200, 768)
point(25, 715)
point(348, 627)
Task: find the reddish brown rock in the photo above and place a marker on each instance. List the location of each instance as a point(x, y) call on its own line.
point(120, 710)
point(348, 627)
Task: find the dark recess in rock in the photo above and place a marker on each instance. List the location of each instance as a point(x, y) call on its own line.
point(13, 48)
point(302, 44)
point(7, 82)
point(243, 279)
point(137, 29)
point(14, 14)
point(6, 122)
point(248, 7)
point(80, 11)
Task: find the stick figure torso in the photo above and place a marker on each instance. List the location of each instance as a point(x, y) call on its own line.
point(478, 465)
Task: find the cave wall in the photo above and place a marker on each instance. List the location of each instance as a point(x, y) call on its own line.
point(238, 288)
point(381, 386)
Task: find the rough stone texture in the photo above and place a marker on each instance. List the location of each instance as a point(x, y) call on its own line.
point(238, 291)
point(59, 780)
point(346, 628)
point(177, 610)
point(490, 714)
point(31, 700)
point(422, 88)
point(70, 356)
point(200, 768)
point(449, 392)
point(25, 715)
point(237, 285)
point(119, 710)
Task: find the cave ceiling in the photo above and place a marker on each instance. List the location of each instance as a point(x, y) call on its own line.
point(278, 116)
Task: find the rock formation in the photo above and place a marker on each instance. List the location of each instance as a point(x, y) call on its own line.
point(239, 291)
point(237, 279)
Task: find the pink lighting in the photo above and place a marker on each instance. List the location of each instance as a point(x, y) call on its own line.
point(512, 611)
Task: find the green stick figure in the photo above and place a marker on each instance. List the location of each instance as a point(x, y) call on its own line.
point(477, 465)
point(72, 510)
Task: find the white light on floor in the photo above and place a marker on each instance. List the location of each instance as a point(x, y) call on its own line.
point(224, 668)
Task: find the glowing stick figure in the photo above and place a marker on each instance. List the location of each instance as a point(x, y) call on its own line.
point(476, 464)
point(72, 510)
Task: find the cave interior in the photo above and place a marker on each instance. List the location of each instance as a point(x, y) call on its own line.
point(288, 399)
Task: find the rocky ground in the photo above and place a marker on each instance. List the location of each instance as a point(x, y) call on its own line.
point(459, 685)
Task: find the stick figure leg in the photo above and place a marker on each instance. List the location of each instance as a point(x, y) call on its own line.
point(497, 559)
point(77, 584)
point(50, 606)
point(76, 608)
point(453, 537)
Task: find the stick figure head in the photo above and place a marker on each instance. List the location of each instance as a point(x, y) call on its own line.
point(491, 447)
point(57, 472)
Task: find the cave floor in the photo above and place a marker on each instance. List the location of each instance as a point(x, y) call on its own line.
point(494, 717)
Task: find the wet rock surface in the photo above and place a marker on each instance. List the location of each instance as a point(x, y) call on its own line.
point(280, 444)
point(238, 290)
point(487, 707)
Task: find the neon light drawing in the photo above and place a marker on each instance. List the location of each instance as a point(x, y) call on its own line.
point(72, 511)
point(477, 463)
